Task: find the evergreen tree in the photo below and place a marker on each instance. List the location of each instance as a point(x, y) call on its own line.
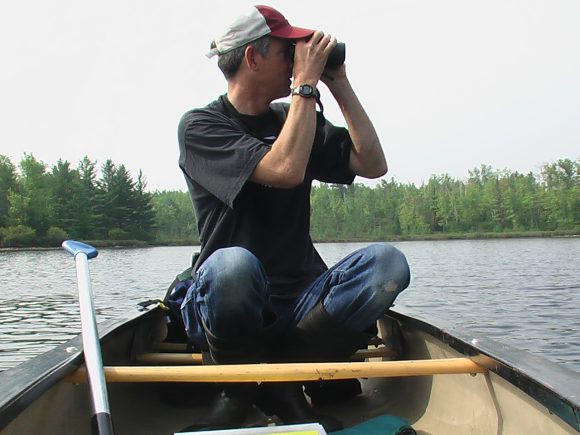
point(63, 182)
point(85, 201)
point(144, 216)
point(122, 205)
point(123, 193)
point(105, 201)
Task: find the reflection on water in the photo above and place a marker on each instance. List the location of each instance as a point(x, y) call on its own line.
point(38, 293)
point(525, 292)
point(31, 325)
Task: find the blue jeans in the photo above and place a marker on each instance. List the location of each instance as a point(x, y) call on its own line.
point(230, 293)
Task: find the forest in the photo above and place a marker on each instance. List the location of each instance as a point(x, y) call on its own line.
point(41, 205)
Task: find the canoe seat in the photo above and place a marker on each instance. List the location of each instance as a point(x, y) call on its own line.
point(183, 358)
point(179, 354)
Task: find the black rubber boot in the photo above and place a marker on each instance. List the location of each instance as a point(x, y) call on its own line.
point(232, 407)
point(286, 400)
point(229, 410)
point(324, 339)
point(328, 392)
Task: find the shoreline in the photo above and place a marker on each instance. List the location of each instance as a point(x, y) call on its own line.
point(462, 236)
point(123, 244)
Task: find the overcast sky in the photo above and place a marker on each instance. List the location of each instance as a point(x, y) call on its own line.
point(449, 84)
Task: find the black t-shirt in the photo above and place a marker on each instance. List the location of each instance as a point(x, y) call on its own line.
point(219, 150)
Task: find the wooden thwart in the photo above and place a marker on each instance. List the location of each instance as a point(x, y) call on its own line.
point(285, 372)
point(182, 347)
point(169, 358)
point(377, 352)
point(196, 358)
point(171, 347)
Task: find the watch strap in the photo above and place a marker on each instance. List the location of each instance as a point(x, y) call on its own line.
point(305, 90)
point(315, 94)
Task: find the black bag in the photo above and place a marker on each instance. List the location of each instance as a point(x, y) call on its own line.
point(173, 299)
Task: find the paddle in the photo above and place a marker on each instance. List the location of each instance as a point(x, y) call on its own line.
point(101, 420)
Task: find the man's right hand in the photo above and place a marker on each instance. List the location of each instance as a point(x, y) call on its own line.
point(284, 166)
point(310, 58)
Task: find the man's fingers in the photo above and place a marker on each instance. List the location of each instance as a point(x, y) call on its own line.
point(311, 56)
point(332, 43)
point(323, 43)
point(317, 36)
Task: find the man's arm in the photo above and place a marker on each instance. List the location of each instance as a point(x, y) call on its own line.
point(285, 164)
point(367, 158)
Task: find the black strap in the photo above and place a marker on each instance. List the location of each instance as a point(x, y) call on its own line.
point(319, 102)
point(171, 287)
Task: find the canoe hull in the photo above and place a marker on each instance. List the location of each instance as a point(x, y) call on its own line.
point(508, 399)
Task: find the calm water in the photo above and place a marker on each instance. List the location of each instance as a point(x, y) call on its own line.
point(523, 292)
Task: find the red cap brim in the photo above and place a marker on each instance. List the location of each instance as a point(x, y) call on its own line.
point(290, 32)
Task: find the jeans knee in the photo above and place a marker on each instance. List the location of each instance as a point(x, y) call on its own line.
point(234, 272)
point(369, 282)
point(231, 292)
point(390, 266)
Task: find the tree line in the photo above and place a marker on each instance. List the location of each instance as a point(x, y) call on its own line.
point(42, 205)
point(489, 201)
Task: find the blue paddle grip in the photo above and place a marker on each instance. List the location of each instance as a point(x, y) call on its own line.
point(73, 247)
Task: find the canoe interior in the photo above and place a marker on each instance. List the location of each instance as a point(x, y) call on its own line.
point(441, 404)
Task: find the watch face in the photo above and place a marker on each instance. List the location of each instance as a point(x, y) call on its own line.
point(306, 90)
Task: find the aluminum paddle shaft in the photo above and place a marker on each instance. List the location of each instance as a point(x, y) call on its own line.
point(101, 420)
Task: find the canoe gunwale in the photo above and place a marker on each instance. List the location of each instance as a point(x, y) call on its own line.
point(23, 384)
point(553, 385)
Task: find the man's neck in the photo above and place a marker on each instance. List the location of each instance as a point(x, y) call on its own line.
point(247, 102)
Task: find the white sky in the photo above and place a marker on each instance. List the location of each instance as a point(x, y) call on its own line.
point(449, 84)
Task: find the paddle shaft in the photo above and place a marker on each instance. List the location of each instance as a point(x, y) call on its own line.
point(101, 421)
point(287, 372)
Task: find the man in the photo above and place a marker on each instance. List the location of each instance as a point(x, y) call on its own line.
point(261, 292)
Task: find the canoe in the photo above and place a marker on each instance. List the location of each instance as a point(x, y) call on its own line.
point(439, 377)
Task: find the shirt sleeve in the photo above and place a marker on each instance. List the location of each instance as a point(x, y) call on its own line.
point(330, 158)
point(217, 153)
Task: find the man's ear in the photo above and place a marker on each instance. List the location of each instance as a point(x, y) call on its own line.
point(250, 57)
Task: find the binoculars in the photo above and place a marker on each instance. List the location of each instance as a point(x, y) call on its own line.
point(335, 59)
point(337, 56)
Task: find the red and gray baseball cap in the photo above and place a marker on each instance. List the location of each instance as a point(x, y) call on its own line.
point(258, 22)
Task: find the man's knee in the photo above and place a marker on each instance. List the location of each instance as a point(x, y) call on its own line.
point(389, 275)
point(232, 292)
point(371, 282)
point(389, 266)
point(233, 272)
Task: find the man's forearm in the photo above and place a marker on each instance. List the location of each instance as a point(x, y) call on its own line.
point(367, 156)
point(285, 164)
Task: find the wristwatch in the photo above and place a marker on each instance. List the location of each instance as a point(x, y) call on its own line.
point(305, 90)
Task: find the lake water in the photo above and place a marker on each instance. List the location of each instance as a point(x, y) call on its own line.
point(522, 292)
